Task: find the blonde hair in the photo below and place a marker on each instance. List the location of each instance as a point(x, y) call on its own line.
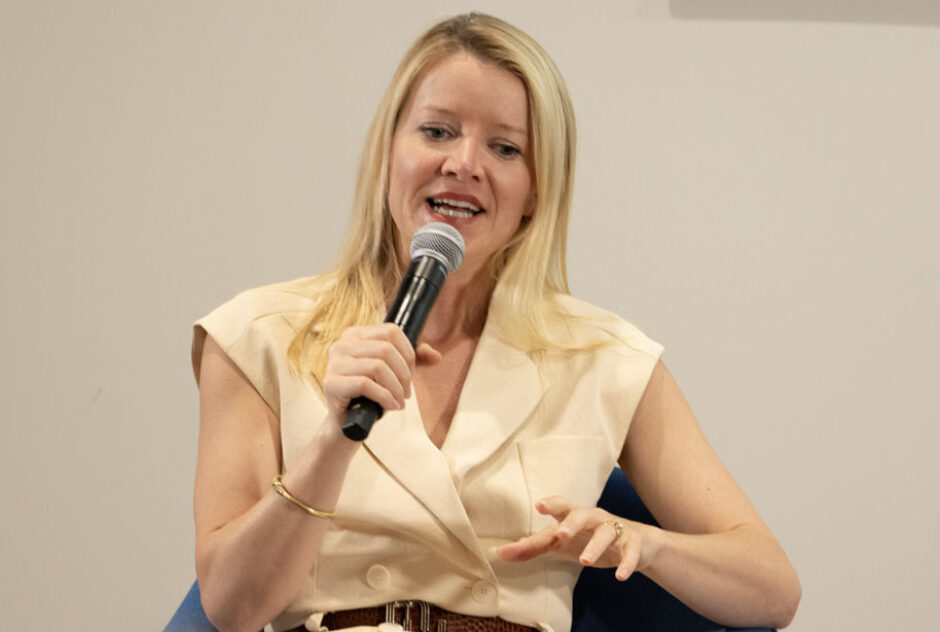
point(529, 270)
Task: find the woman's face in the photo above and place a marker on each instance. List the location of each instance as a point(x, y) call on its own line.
point(460, 155)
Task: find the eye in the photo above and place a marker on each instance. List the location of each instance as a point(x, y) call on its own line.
point(505, 150)
point(434, 132)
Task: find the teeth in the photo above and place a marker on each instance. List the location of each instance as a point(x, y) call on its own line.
point(458, 204)
point(437, 203)
point(450, 212)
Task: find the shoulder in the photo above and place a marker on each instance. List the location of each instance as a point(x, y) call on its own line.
point(256, 327)
point(589, 324)
point(269, 306)
point(277, 311)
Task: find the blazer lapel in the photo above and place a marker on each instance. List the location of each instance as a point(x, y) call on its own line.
point(402, 446)
point(501, 390)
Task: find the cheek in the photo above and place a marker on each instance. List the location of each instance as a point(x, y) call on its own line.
point(521, 192)
point(405, 168)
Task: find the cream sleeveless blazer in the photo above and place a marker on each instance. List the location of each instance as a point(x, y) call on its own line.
point(417, 522)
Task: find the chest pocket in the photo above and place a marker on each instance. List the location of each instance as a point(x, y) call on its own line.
point(573, 467)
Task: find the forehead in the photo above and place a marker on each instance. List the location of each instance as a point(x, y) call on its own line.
point(463, 84)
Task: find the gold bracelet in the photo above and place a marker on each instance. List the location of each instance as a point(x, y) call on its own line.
point(280, 489)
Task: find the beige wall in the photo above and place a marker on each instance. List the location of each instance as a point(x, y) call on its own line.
point(757, 188)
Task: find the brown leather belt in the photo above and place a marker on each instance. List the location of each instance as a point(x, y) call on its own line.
point(419, 616)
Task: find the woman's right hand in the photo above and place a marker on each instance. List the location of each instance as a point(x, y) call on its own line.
point(375, 361)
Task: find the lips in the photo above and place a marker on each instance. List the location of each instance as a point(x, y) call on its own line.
point(452, 207)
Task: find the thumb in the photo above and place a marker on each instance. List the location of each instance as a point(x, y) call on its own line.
point(426, 354)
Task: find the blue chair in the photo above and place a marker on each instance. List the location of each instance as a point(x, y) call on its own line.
point(190, 617)
point(601, 603)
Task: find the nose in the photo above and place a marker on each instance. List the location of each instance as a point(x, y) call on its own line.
point(463, 160)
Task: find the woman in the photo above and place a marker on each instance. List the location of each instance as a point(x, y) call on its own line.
point(476, 491)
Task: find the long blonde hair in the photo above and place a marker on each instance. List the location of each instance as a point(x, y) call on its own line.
point(529, 270)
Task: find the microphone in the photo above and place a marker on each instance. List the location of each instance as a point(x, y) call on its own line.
point(436, 251)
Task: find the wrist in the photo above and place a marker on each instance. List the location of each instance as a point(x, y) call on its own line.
point(331, 439)
point(655, 541)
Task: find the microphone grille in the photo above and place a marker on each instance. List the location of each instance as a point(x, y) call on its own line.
point(441, 241)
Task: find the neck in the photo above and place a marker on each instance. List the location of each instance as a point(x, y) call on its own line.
point(460, 309)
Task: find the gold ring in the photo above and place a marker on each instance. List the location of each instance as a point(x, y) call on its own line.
point(616, 525)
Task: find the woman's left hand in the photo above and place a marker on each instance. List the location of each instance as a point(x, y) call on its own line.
point(588, 535)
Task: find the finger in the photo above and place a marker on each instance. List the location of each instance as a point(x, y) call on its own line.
point(554, 506)
point(387, 332)
point(378, 350)
point(376, 370)
point(530, 546)
point(374, 350)
point(579, 519)
point(342, 389)
point(397, 337)
point(630, 557)
point(600, 541)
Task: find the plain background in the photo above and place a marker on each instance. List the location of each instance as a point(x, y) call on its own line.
point(758, 188)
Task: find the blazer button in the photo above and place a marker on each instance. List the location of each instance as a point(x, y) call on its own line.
point(378, 577)
point(483, 592)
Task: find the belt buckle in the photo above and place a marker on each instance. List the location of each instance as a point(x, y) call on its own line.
point(424, 613)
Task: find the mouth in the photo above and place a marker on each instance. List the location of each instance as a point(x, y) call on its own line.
point(454, 208)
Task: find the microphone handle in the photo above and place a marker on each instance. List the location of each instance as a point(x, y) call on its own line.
point(416, 295)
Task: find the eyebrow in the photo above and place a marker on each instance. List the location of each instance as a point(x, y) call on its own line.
point(504, 126)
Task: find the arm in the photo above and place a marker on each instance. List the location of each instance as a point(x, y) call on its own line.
point(713, 552)
point(253, 548)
